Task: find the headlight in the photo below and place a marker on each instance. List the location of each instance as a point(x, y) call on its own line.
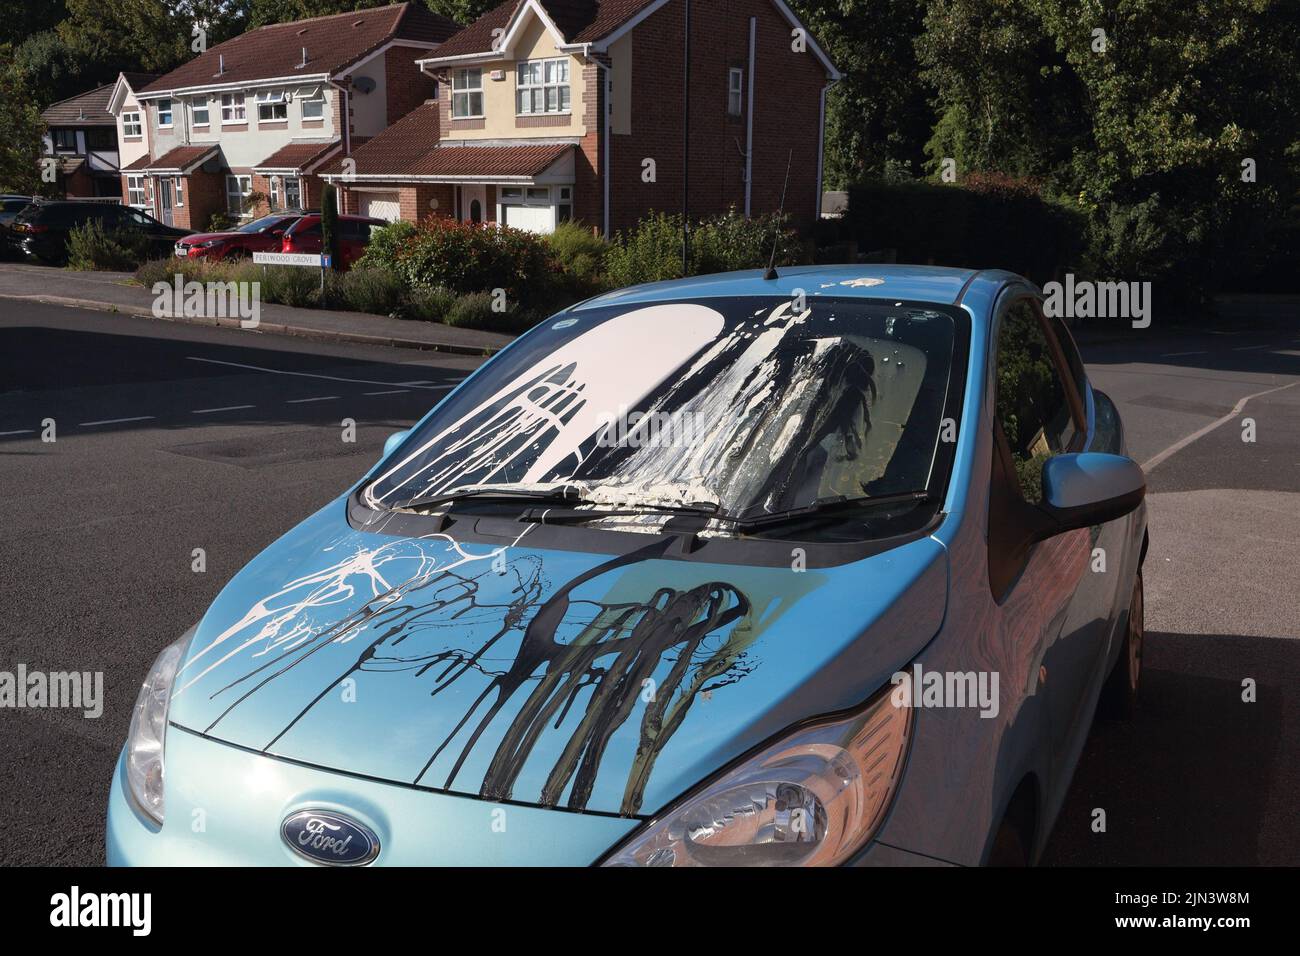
point(148, 734)
point(813, 798)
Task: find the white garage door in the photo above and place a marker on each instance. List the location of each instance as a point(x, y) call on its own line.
point(532, 218)
point(381, 206)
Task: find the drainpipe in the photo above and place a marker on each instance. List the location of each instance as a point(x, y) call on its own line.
point(749, 123)
point(686, 143)
point(608, 143)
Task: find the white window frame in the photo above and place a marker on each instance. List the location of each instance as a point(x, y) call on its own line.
point(200, 104)
point(273, 99)
point(244, 184)
point(234, 111)
point(317, 101)
point(273, 190)
point(298, 190)
point(178, 190)
point(556, 196)
point(134, 186)
point(736, 91)
point(131, 125)
point(165, 110)
point(465, 94)
point(536, 80)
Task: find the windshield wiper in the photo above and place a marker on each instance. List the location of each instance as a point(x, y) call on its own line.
point(827, 506)
point(561, 494)
point(618, 510)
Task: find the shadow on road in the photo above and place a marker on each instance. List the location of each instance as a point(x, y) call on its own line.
point(1191, 779)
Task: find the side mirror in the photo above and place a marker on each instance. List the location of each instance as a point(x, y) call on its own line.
point(393, 440)
point(1089, 488)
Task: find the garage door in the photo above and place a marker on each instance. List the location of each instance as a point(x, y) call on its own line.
point(532, 218)
point(381, 206)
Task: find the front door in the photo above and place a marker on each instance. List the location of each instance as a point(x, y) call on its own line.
point(165, 201)
point(473, 203)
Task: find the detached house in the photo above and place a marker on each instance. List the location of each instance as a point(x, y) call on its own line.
point(80, 145)
point(603, 110)
point(245, 127)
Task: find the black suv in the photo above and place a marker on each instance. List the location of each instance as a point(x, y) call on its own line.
point(41, 230)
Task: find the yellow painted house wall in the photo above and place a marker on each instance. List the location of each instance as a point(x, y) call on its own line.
point(535, 42)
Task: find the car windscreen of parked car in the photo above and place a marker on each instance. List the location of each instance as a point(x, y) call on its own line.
point(747, 405)
point(267, 223)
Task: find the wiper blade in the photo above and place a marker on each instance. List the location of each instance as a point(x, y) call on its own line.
point(828, 506)
point(563, 494)
point(572, 515)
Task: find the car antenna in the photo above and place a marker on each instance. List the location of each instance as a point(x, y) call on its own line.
point(770, 274)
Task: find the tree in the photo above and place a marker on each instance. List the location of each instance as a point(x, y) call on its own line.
point(262, 12)
point(329, 223)
point(20, 131)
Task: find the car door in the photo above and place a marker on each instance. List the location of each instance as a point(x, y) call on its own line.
point(1040, 413)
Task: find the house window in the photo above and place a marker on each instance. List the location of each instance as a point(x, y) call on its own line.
point(232, 108)
point(275, 192)
point(313, 108)
point(238, 189)
point(135, 190)
point(543, 87)
point(131, 124)
point(735, 91)
point(65, 140)
point(271, 106)
point(535, 208)
point(467, 94)
point(199, 111)
point(292, 193)
point(164, 113)
point(564, 208)
point(180, 191)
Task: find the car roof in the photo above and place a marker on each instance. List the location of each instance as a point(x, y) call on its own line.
point(940, 285)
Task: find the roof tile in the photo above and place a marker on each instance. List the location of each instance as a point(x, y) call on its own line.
point(85, 109)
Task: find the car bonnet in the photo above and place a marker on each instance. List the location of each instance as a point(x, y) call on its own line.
point(594, 682)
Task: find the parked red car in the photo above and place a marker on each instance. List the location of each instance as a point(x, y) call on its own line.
point(260, 235)
point(353, 237)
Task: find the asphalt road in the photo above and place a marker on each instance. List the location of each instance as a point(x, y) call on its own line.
point(171, 438)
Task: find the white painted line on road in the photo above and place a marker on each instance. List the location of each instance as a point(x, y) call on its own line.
point(226, 408)
point(1180, 354)
point(328, 378)
point(116, 421)
point(391, 391)
point(21, 431)
point(1182, 443)
point(322, 398)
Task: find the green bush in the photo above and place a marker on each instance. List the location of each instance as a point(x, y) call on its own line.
point(377, 291)
point(474, 311)
point(289, 285)
point(92, 248)
point(467, 258)
point(429, 304)
point(652, 251)
point(385, 246)
point(578, 250)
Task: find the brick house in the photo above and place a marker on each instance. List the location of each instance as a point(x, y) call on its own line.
point(549, 110)
point(245, 127)
point(80, 147)
point(132, 137)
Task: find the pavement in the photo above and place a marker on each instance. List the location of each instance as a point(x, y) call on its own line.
point(115, 292)
point(172, 437)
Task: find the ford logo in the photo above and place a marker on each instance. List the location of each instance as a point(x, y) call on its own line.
point(323, 836)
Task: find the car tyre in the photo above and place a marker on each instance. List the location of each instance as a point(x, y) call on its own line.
point(1119, 698)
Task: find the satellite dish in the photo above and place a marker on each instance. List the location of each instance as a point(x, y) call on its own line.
point(363, 84)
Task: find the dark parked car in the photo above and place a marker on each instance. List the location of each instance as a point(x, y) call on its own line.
point(41, 230)
point(261, 235)
point(354, 235)
point(10, 206)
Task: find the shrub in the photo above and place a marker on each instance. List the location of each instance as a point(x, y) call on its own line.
point(578, 250)
point(91, 247)
point(385, 245)
point(429, 304)
point(652, 251)
point(220, 222)
point(366, 290)
point(467, 258)
point(290, 285)
point(329, 224)
point(474, 311)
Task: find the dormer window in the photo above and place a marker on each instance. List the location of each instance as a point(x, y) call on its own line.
point(542, 87)
point(271, 106)
point(467, 94)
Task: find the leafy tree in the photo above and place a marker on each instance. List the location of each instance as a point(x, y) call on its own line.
point(878, 115)
point(263, 12)
point(329, 224)
point(20, 131)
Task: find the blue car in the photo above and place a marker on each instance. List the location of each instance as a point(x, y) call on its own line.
point(832, 567)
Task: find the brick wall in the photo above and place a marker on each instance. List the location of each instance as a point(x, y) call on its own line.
point(413, 199)
point(786, 116)
point(407, 86)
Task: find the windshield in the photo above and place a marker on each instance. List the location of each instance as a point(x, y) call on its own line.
point(266, 222)
point(747, 405)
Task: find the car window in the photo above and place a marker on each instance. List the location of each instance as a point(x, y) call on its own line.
point(1032, 406)
point(741, 402)
point(1072, 358)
